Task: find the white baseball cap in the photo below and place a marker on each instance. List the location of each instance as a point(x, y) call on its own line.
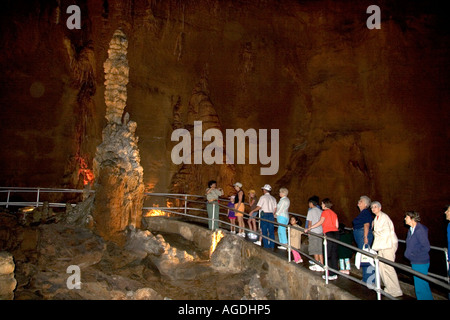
point(267, 187)
point(237, 184)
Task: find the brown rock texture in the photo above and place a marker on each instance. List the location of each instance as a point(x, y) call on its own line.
point(7, 280)
point(119, 187)
point(359, 111)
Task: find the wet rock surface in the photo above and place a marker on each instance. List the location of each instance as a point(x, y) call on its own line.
point(149, 266)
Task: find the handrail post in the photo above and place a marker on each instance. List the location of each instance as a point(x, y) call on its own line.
point(37, 200)
point(289, 242)
point(7, 201)
point(377, 278)
point(259, 220)
point(325, 258)
point(447, 264)
point(185, 204)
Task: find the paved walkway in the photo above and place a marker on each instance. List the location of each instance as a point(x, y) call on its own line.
point(358, 290)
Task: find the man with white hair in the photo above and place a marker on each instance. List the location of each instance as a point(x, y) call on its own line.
point(362, 233)
point(268, 205)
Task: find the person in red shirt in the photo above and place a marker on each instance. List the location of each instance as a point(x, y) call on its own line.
point(330, 225)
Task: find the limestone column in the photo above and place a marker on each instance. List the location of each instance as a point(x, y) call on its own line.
point(119, 186)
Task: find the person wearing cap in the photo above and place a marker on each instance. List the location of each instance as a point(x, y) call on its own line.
point(240, 207)
point(212, 196)
point(267, 204)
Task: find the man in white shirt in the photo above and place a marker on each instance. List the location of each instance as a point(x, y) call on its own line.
point(268, 205)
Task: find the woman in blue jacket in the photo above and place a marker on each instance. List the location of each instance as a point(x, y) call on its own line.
point(417, 251)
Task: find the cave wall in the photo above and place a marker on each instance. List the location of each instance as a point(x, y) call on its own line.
point(359, 111)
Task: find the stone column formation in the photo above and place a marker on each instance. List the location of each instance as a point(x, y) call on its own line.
point(119, 185)
point(116, 77)
point(7, 280)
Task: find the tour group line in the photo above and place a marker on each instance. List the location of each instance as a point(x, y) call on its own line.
point(377, 259)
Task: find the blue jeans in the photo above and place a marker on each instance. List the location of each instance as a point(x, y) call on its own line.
point(267, 229)
point(421, 286)
point(358, 234)
point(282, 237)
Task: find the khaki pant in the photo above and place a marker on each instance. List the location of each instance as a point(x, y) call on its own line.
point(213, 213)
point(388, 274)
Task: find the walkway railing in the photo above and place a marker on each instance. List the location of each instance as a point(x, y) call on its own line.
point(187, 207)
point(377, 259)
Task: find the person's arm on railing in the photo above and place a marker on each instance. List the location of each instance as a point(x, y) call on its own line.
point(317, 224)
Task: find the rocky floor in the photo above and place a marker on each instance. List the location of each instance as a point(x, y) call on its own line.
point(149, 266)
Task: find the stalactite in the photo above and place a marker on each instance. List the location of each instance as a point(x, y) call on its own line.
point(82, 65)
point(179, 45)
point(116, 78)
point(192, 178)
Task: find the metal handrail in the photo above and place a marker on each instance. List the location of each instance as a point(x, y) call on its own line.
point(377, 259)
point(444, 250)
point(184, 197)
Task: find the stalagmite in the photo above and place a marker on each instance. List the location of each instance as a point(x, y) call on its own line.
point(119, 183)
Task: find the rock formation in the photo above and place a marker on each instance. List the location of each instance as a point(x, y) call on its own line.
point(119, 183)
point(356, 113)
point(192, 178)
point(7, 281)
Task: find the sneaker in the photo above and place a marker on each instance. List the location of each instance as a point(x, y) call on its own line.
point(258, 243)
point(298, 261)
point(281, 248)
point(316, 267)
point(242, 234)
point(331, 277)
point(233, 232)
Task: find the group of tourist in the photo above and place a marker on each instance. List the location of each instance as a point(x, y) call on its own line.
point(372, 229)
point(376, 232)
point(380, 234)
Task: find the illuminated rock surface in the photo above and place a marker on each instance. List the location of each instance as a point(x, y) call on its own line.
point(359, 111)
point(119, 181)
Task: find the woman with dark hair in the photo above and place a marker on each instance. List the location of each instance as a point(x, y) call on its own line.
point(212, 196)
point(330, 226)
point(417, 251)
